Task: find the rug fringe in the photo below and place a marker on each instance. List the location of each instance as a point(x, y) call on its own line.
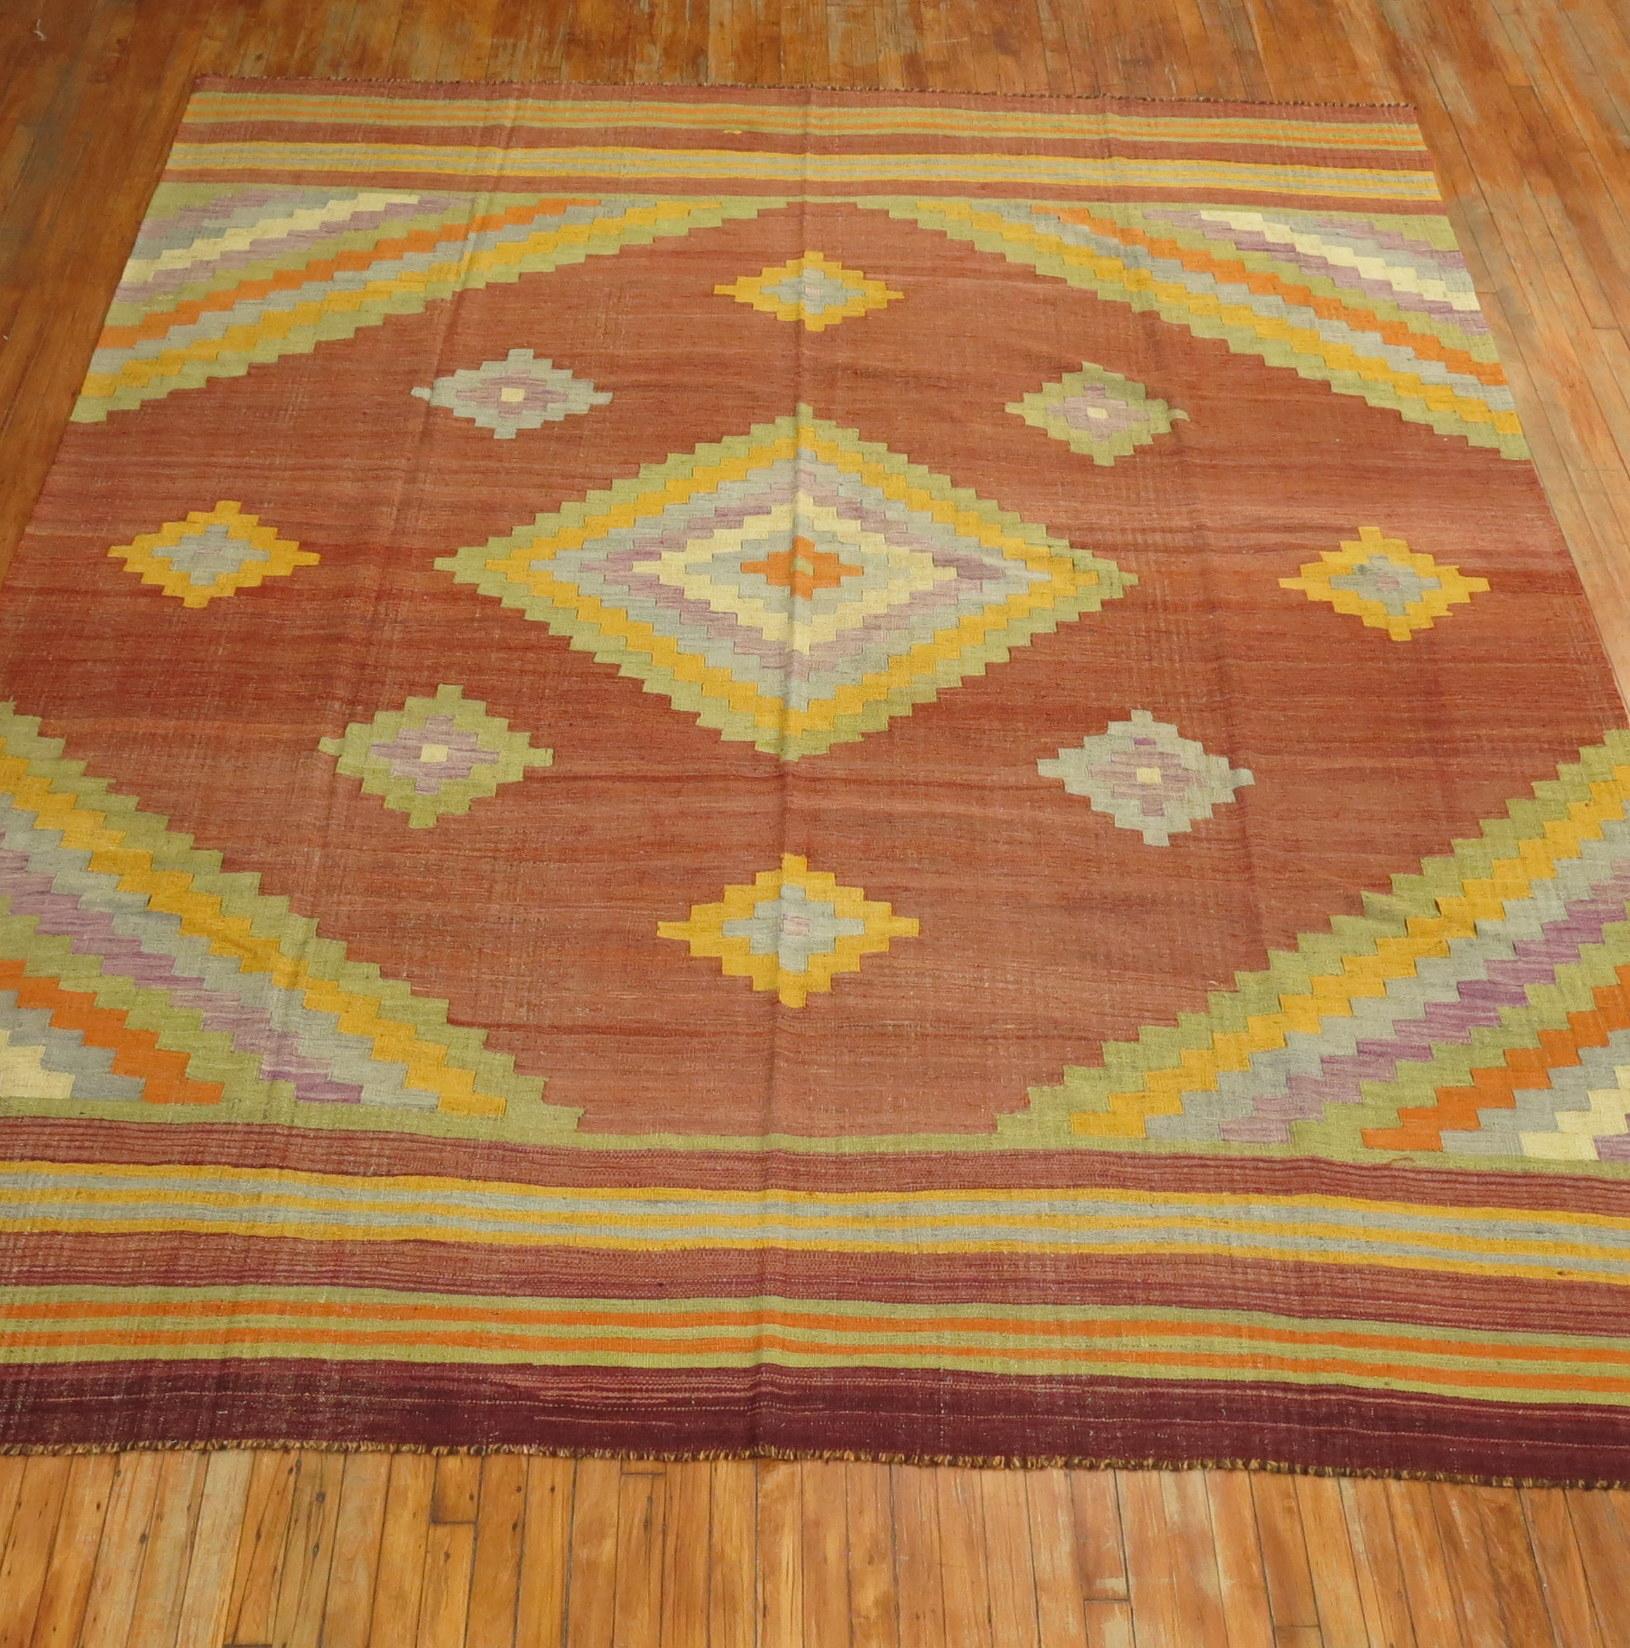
point(852, 1456)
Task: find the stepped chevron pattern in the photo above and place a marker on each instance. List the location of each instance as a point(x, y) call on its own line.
point(1477, 1010)
point(733, 771)
point(133, 968)
point(1374, 305)
point(224, 279)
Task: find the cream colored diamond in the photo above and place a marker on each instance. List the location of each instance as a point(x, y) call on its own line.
point(896, 574)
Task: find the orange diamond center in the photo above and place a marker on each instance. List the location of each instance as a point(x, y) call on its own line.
point(803, 569)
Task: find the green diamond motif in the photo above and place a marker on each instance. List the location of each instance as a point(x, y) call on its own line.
point(434, 756)
point(1097, 413)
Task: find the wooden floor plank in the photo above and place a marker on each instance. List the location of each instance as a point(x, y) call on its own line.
point(262, 1539)
point(1378, 1565)
point(1460, 1523)
point(1292, 1601)
point(1239, 1559)
point(1111, 1625)
point(444, 1598)
point(1050, 1528)
point(1197, 1590)
point(308, 1554)
point(917, 1558)
point(166, 1548)
point(637, 1600)
point(964, 1567)
point(393, 1619)
point(540, 1601)
point(1433, 1608)
point(780, 1555)
point(1604, 1552)
point(1010, 1561)
point(687, 1555)
point(591, 1575)
point(358, 1530)
point(1151, 1579)
point(1330, 1563)
point(119, 1551)
point(66, 1592)
point(500, 1535)
point(457, 1488)
point(1516, 1574)
point(25, 1554)
point(869, 1525)
point(1562, 1570)
point(1100, 1550)
point(733, 1558)
point(825, 1578)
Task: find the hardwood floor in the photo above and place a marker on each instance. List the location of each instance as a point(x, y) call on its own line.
point(1526, 104)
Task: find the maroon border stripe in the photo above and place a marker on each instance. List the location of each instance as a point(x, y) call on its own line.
point(848, 1411)
point(1200, 1284)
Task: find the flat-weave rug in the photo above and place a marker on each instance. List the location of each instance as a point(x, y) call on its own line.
point(753, 772)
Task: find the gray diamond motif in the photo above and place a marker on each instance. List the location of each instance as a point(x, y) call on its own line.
point(515, 393)
point(1146, 776)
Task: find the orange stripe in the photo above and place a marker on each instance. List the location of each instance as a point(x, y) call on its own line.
point(288, 280)
point(1459, 1109)
point(136, 1053)
point(633, 1350)
point(1265, 284)
point(830, 1321)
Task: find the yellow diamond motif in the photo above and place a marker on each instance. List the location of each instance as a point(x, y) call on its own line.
point(790, 930)
point(212, 553)
point(1385, 584)
point(811, 289)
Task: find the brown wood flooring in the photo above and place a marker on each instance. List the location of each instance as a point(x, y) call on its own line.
point(1526, 104)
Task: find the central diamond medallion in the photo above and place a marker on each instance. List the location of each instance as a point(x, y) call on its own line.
point(794, 587)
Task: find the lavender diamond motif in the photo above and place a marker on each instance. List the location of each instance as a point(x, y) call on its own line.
point(1146, 776)
point(515, 393)
point(1097, 413)
point(434, 756)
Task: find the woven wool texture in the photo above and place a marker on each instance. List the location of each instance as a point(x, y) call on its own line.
point(745, 771)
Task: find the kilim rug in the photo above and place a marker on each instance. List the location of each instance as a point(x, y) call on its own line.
point(753, 772)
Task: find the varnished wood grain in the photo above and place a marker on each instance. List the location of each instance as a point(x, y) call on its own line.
point(1526, 104)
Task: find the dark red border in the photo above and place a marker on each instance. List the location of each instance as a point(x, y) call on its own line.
point(850, 1412)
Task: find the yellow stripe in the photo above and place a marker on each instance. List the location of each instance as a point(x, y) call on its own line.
point(210, 108)
point(728, 1220)
point(1568, 1224)
point(1172, 1241)
point(719, 1229)
point(633, 165)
